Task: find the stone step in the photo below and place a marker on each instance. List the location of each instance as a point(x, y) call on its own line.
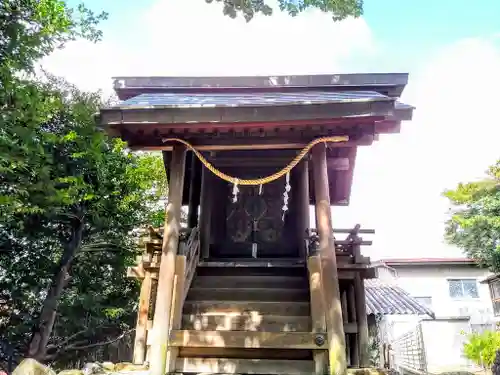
point(249, 281)
point(253, 307)
point(246, 322)
point(248, 294)
point(214, 366)
point(274, 268)
point(249, 353)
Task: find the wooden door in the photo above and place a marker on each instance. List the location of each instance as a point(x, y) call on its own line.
point(255, 225)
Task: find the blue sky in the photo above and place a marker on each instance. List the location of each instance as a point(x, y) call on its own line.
point(451, 52)
point(413, 28)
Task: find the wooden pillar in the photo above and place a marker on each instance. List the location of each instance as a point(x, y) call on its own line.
point(206, 213)
point(362, 320)
point(317, 310)
point(141, 330)
point(303, 205)
point(194, 192)
point(176, 309)
point(343, 303)
point(166, 274)
point(351, 301)
point(326, 250)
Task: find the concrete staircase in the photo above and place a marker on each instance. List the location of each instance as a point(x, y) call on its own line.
point(233, 316)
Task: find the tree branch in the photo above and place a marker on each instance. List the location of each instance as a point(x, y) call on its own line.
point(101, 343)
point(53, 346)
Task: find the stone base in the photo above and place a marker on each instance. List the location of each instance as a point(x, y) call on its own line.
point(367, 371)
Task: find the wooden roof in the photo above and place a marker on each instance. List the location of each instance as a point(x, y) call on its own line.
point(260, 113)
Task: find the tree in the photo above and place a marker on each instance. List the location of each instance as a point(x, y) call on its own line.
point(475, 222)
point(339, 9)
point(67, 193)
point(32, 29)
point(71, 199)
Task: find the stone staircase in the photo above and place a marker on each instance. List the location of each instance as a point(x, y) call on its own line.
point(233, 316)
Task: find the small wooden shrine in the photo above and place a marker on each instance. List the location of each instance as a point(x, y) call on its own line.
point(246, 286)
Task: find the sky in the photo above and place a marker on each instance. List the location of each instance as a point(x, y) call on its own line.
point(450, 49)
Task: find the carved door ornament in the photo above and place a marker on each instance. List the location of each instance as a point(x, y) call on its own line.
point(255, 220)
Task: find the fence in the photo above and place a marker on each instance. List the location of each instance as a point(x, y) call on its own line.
point(434, 346)
point(408, 352)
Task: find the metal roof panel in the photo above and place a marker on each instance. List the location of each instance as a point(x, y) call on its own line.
point(255, 99)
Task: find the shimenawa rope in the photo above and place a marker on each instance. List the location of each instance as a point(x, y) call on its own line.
point(263, 180)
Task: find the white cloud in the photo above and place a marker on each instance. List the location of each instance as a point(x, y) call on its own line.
point(455, 136)
point(190, 37)
point(205, 42)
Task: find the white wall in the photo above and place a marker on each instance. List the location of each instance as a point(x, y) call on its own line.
point(445, 354)
point(432, 281)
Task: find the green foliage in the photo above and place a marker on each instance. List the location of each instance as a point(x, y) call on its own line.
point(70, 198)
point(31, 29)
point(339, 9)
point(481, 347)
point(475, 222)
point(58, 169)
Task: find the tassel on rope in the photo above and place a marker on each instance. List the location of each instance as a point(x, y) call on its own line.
point(260, 189)
point(285, 195)
point(235, 191)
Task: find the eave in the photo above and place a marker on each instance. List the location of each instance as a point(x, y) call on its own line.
point(391, 84)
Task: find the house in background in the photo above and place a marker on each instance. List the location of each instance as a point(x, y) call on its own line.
point(452, 289)
point(493, 283)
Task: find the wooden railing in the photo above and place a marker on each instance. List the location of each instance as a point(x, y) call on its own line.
point(189, 246)
point(349, 247)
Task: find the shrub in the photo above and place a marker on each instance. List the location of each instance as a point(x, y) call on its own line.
point(481, 348)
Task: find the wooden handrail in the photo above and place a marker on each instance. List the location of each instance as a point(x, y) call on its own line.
point(190, 249)
point(349, 246)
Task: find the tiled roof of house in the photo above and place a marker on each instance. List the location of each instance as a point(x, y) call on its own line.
point(384, 298)
point(423, 261)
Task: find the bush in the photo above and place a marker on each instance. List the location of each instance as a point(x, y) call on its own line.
point(481, 348)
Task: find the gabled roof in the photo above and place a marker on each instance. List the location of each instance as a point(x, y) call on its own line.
point(390, 84)
point(259, 114)
point(383, 298)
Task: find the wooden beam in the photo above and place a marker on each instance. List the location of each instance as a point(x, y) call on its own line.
point(330, 280)
point(348, 242)
point(350, 328)
point(243, 339)
point(347, 272)
point(258, 125)
point(250, 146)
point(354, 350)
point(167, 160)
point(348, 231)
point(362, 321)
point(136, 272)
point(318, 315)
point(194, 195)
point(351, 302)
point(302, 205)
point(177, 304)
point(141, 330)
point(242, 366)
point(206, 212)
point(337, 164)
point(166, 274)
point(343, 300)
point(351, 310)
